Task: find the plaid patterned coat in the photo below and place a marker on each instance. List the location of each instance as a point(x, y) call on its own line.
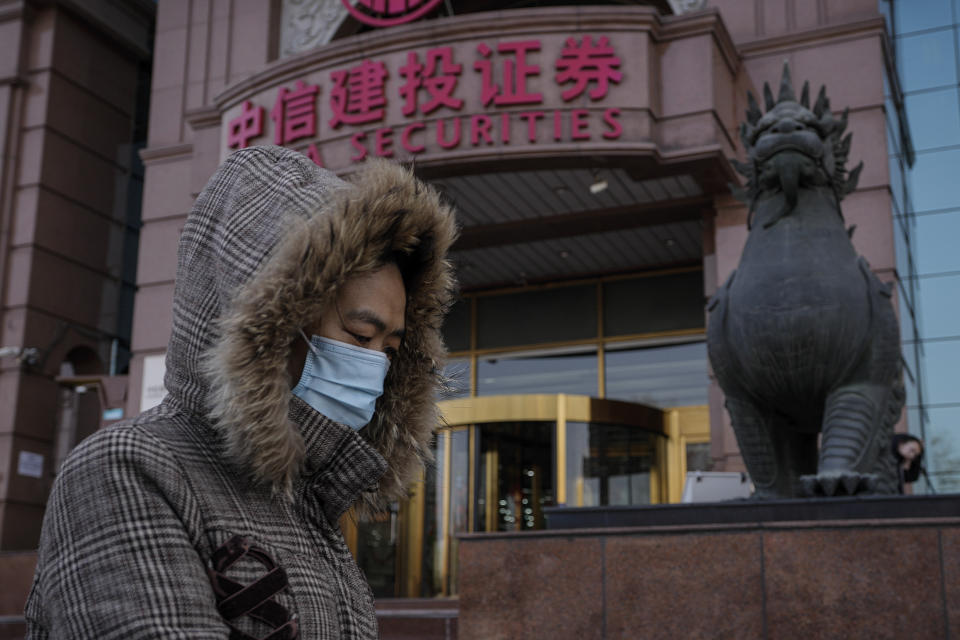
point(215, 514)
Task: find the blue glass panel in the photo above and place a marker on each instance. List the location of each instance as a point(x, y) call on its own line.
point(672, 376)
point(913, 15)
point(933, 180)
point(927, 60)
point(940, 372)
point(896, 184)
point(913, 420)
point(883, 6)
point(942, 451)
point(893, 139)
point(903, 249)
point(940, 300)
point(567, 373)
point(906, 322)
point(934, 119)
point(910, 384)
point(935, 240)
point(909, 354)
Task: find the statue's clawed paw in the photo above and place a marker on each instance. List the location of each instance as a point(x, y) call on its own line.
point(838, 483)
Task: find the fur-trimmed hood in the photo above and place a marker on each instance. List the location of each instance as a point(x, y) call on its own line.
point(270, 241)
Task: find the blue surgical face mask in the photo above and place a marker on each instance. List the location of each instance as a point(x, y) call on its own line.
point(342, 381)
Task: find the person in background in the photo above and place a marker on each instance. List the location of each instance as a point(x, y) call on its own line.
point(301, 374)
point(908, 451)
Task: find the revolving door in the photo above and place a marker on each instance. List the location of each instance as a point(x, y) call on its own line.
point(499, 460)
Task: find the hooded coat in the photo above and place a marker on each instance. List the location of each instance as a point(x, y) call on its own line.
point(215, 514)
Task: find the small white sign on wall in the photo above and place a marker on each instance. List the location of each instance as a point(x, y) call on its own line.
point(30, 464)
point(152, 392)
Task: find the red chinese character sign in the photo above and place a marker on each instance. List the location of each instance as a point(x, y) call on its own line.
point(438, 77)
point(295, 113)
point(389, 13)
point(584, 63)
point(245, 127)
point(465, 96)
point(357, 95)
point(515, 72)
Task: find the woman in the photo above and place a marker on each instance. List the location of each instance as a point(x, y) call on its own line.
point(301, 372)
point(908, 452)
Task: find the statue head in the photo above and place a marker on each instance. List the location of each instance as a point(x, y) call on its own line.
point(791, 146)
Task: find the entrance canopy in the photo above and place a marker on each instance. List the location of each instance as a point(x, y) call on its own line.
point(556, 132)
point(554, 224)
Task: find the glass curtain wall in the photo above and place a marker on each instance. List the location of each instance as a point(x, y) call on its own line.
point(636, 338)
point(927, 194)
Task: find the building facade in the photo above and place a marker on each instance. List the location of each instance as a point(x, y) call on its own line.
point(74, 94)
point(587, 149)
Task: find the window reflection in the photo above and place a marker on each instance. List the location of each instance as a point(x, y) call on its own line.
point(608, 465)
point(928, 14)
point(459, 496)
point(943, 440)
point(940, 367)
point(937, 235)
point(377, 551)
point(434, 543)
point(665, 376)
point(698, 457)
point(515, 476)
point(941, 308)
point(927, 60)
point(934, 118)
point(536, 317)
point(896, 184)
point(547, 372)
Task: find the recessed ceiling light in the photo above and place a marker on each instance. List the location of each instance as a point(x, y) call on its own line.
point(599, 184)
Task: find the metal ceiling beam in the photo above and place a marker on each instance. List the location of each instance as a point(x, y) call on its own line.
point(580, 223)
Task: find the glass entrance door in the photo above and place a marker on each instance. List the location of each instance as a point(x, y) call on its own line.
point(516, 474)
point(499, 460)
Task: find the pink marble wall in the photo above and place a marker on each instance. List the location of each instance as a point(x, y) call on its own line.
point(847, 579)
point(67, 98)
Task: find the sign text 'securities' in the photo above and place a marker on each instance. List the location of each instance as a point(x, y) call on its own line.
point(432, 106)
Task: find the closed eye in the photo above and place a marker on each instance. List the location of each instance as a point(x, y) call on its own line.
point(361, 339)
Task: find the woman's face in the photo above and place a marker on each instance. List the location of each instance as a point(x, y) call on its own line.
point(369, 313)
point(909, 450)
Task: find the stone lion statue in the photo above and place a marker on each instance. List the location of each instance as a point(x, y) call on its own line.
point(802, 337)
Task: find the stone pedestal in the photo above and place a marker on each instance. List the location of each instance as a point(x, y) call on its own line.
point(846, 568)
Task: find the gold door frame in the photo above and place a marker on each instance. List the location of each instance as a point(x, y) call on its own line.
point(560, 408)
point(684, 425)
point(678, 426)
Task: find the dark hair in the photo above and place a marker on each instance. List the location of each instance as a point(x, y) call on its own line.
point(901, 438)
point(913, 472)
point(410, 263)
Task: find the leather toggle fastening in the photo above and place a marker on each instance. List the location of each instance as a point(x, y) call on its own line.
point(235, 600)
